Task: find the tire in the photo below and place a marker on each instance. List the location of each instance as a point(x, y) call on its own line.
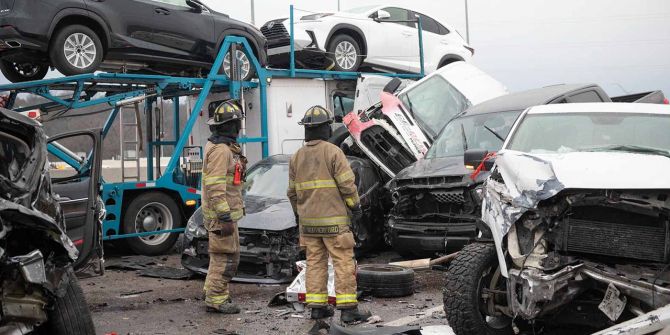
point(152, 211)
point(247, 73)
point(466, 276)
point(349, 50)
point(385, 281)
point(76, 49)
point(20, 72)
point(70, 314)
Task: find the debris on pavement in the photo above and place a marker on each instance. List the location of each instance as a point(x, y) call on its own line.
point(166, 272)
point(137, 262)
point(375, 319)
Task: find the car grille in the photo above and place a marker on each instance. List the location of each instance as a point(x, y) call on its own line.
point(644, 242)
point(385, 147)
point(275, 33)
point(449, 197)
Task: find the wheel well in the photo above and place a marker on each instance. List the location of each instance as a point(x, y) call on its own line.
point(353, 34)
point(448, 60)
point(84, 21)
point(130, 195)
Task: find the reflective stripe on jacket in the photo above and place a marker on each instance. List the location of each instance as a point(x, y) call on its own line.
point(321, 187)
point(219, 195)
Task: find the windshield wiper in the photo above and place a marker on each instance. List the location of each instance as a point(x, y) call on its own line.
point(502, 139)
point(465, 140)
point(632, 148)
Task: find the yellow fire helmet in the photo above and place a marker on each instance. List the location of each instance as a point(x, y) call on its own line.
point(228, 110)
point(315, 116)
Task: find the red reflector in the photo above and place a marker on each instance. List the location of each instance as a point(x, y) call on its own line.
point(332, 301)
point(301, 296)
point(32, 114)
point(665, 101)
point(192, 190)
point(141, 185)
point(78, 242)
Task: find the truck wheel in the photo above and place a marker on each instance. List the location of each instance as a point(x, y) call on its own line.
point(465, 299)
point(70, 313)
point(20, 72)
point(345, 53)
point(247, 70)
point(385, 281)
point(76, 49)
point(149, 212)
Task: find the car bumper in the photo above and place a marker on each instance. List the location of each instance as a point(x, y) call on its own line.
point(430, 237)
point(12, 39)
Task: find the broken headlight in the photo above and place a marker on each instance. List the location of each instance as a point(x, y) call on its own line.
point(194, 230)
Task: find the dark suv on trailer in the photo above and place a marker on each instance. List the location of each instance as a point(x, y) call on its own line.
point(177, 37)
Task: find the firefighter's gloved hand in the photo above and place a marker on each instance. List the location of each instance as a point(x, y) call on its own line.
point(227, 225)
point(356, 213)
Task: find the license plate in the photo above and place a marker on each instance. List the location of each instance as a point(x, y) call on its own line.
point(613, 303)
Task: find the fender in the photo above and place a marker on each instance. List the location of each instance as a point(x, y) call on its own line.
point(252, 41)
point(83, 12)
point(453, 57)
point(351, 27)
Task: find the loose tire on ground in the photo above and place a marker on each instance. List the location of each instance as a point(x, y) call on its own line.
point(76, 49)
point(152, 211)
point(385, 281)
point(70, 314)
point(342, 46)
point(20, 72)
point(465, 278)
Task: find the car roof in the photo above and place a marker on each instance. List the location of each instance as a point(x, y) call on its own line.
point(602, 107)
point(519, 101)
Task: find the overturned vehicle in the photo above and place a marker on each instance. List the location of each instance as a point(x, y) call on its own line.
point(578, 205)
point(38, 288)
point(269, 237)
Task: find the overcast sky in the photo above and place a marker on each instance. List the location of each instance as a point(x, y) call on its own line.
point(623, 45)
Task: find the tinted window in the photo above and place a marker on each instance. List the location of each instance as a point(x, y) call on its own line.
point(433, 103)
point(443, 29)
point(429, 24)
point(398, 14)
point(588, 96)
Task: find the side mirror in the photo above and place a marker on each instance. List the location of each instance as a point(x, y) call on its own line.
point(194, 5)
point(474, 157)
point(382, 15)
point(392, 85)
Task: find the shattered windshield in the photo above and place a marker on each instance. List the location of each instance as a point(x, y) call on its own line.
point(13, 155)
point(479, 131)
point(558, 133)
point(267, 180)
point(433, 103)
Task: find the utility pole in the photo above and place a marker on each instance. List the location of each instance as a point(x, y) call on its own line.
point(467, 22)
point(253, 14)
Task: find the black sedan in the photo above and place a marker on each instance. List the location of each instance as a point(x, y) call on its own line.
point(176, 37)
point(269, 234)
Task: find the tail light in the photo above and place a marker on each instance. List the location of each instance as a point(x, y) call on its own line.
point(665, 101)
point(472, 50)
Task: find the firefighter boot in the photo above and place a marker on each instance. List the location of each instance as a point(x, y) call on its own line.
point(227, 307)
point(352, 315)
point(322, 312)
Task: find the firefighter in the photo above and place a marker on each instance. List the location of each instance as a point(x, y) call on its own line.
point(322, 191)
point(222, 205)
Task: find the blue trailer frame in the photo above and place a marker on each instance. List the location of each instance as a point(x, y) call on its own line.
point(134, 87)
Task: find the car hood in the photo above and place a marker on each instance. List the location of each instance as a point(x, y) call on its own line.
point(267, 214)
point(585, 170)
point(435, 167)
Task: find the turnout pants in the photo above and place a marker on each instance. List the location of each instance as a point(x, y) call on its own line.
point(341, 249)
point(224, 257)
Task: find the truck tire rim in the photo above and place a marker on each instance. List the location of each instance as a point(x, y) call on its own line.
point(80, 50)
point(345, 55)
point(492, 279)
point(243, 62)
point(153, 216)
point(26, 70)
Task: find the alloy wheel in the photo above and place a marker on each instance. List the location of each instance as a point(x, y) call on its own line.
point(80, 50)
point(345, 55)
point(243, 62)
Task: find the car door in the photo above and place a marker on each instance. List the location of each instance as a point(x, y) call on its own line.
point(389, 42)
point(130, 21)
point(181, 30)
point(76, 180)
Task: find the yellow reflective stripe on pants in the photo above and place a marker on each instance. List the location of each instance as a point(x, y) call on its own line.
point(344, 177)
point(316, 298)
point(237, 214)
point(314, 184)
point(291, 184)
point(346, 299)
point(329, 221)
point(216, 299)
point(222, 207)
point(208, 214)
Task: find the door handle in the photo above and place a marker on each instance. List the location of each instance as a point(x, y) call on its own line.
point(161, 11)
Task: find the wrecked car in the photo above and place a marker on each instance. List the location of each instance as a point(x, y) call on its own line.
point(269, 236)
point(578, 205)
point(436, 200)
point(38, 288)
point(398, 130)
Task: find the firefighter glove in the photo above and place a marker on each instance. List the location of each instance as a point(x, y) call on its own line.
point(356, 213)
point(226, 222)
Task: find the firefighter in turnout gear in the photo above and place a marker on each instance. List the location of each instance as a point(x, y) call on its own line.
point(322, 191)
point(222, 206)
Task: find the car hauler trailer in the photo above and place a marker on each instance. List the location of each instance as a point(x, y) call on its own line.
point(149, 210)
